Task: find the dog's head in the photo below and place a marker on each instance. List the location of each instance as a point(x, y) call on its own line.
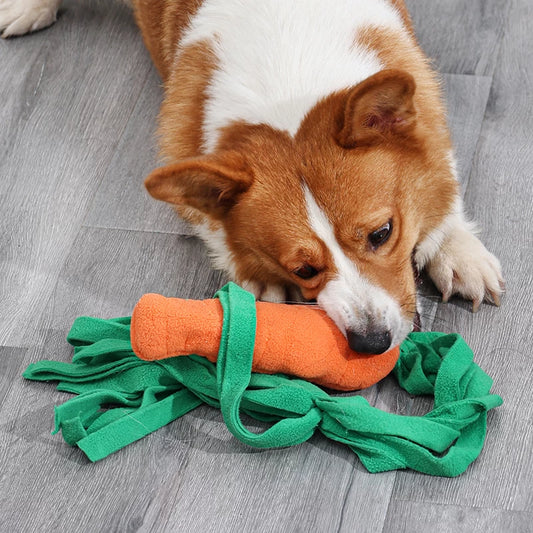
point(336, 210)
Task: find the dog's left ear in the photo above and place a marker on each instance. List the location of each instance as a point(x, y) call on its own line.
point(379, 108)
point(210, 183)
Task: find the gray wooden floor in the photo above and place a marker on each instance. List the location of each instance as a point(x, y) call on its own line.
point(78, 235)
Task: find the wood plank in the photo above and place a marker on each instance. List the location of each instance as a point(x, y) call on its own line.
point(20, 82)
point(107, 271)
point(121, 200)
point(70, 104)
point(224, 488)
point(460, 37)
point(466, 99)
point(412, 517)
point(498, 195)
point(98, 278)
point(10, 363)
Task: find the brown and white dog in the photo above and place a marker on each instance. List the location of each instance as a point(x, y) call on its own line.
point(306, 140)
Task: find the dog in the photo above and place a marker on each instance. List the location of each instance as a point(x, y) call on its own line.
point(306, 141)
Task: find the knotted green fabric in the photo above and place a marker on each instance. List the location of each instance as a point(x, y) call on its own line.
point(122, 398)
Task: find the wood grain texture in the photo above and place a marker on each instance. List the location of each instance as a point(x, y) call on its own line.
point(121, 200)
point(461, 38)
point(499, 197)
point(62, 137)
point(78, 235)
point(466, 101)
point(409, 517)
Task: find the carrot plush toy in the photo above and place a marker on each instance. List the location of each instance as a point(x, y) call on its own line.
point(135, 374)
point(297, 340)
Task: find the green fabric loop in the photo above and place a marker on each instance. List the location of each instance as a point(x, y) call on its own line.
point(122, 398)
point(234, 372)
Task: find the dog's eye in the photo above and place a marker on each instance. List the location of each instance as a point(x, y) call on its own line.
point(381, 235)
point(306, 271)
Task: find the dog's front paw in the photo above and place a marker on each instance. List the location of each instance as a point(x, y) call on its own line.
point(464, 266)
point(18, 17)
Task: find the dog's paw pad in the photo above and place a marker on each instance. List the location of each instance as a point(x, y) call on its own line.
point(18, 17)
point(465, 267)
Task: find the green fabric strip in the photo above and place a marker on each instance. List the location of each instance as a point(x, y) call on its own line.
point(122, 398)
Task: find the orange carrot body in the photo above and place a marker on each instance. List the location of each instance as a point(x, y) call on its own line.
point(292, 339)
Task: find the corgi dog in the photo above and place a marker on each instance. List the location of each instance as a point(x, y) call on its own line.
point(306, 141)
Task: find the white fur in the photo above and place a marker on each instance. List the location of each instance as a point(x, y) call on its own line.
point(267, 293)
point(426, 250)
point(456, 260)
point(456, 220)
point(18, 17)
point(462, 265)
point(353, 302)
point(278, 58)
point(215, 240)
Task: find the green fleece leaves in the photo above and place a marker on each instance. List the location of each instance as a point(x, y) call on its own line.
point(122, 398)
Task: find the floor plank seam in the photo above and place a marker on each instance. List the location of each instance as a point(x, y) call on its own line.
point(473, 167)
point(434, 503)
point(119, 142)
point(345, 501)
point(140, 231)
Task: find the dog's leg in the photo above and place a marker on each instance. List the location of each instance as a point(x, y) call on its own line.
point(18, 17)
point(458, 263)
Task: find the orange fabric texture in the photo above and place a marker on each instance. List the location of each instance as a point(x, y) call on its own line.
point(298, 340)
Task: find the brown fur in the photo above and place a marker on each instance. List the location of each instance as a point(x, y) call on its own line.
point(398, 170)
point(395, 51)
point(182, 111)
point(162, 23)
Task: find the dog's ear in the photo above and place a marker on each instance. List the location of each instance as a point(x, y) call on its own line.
point(211, 183)
point(377, 109)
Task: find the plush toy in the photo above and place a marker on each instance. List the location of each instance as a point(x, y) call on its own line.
point(122, 398)
point(291, 339)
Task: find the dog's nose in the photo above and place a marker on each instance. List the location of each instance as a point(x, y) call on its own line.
point(375, 342)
